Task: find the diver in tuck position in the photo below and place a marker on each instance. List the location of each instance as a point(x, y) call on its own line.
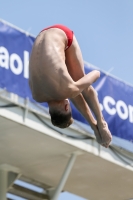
point(56, 74)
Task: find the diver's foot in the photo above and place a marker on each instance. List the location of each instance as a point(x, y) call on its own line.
point(105, 134)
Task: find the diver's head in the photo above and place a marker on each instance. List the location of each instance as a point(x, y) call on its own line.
point(60, 112)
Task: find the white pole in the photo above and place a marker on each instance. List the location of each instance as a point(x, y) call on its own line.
point(3, 184)
point(64, 177)
point(8, 174)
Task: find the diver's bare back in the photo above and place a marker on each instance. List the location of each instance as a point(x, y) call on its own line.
point(49, 78)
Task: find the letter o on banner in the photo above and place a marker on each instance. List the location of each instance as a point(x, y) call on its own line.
point(120, 104)
point(16, 70)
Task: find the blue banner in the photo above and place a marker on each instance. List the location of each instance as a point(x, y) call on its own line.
point(116, 97)
point(15, 47)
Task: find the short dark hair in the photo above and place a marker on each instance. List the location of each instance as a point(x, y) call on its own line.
point(60, 119)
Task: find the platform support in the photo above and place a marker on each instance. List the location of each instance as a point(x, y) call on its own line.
point(8, 175)
point(59, 188)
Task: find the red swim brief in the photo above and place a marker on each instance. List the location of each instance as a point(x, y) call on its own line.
point(67, 31)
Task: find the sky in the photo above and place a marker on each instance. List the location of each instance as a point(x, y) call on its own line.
point(103, 28)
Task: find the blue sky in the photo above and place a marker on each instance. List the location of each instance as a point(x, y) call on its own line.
point(104, 30)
